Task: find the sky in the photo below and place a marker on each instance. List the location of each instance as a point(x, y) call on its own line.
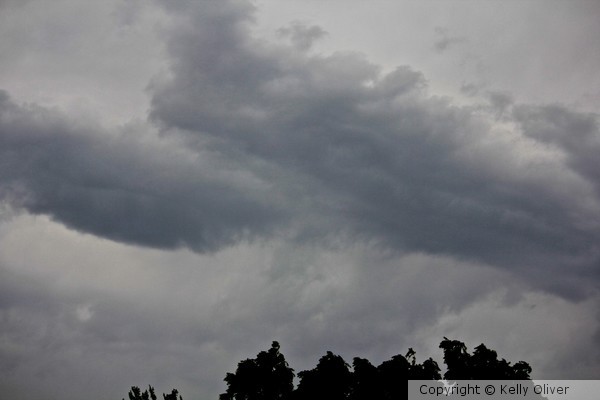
point(181, 183)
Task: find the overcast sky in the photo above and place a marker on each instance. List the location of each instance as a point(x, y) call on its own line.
point(183, 182)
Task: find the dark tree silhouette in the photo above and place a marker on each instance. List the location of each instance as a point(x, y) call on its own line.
point(331, 379)
point(366, 381)
point(483, 364)
point(266, 377)
point(394, 374)
point(172, 395)
point(269, 377)
point(136, 394)
point(428, 370)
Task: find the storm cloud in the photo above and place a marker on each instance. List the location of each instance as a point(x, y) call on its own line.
point(372, 154)
point(126, 186)
point(316, 147)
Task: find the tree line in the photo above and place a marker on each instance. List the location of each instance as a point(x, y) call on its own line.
point(268, 376)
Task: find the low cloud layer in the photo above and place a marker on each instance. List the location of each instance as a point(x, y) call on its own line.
point(112, 315)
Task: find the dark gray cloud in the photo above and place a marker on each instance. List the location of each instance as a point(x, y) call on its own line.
point(125, 186)
point(370, 155)
point(320, 148)
point(577, 135)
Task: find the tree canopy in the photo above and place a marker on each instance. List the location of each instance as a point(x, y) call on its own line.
point(265, 377)
point(482, 364)
point(334, 379)
point(269, 377)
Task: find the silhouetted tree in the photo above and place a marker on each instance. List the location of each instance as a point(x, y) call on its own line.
point(136, 394)
point(172, 395)
point(267, 377)
point(394, 374)
point(366, 381)
point(392, 377)
point(429, 369)
point(331, 380)
point(483, 364)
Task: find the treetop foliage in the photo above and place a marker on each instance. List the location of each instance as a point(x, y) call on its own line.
point(269, 377)
point(482, 364)
point(136, 394)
